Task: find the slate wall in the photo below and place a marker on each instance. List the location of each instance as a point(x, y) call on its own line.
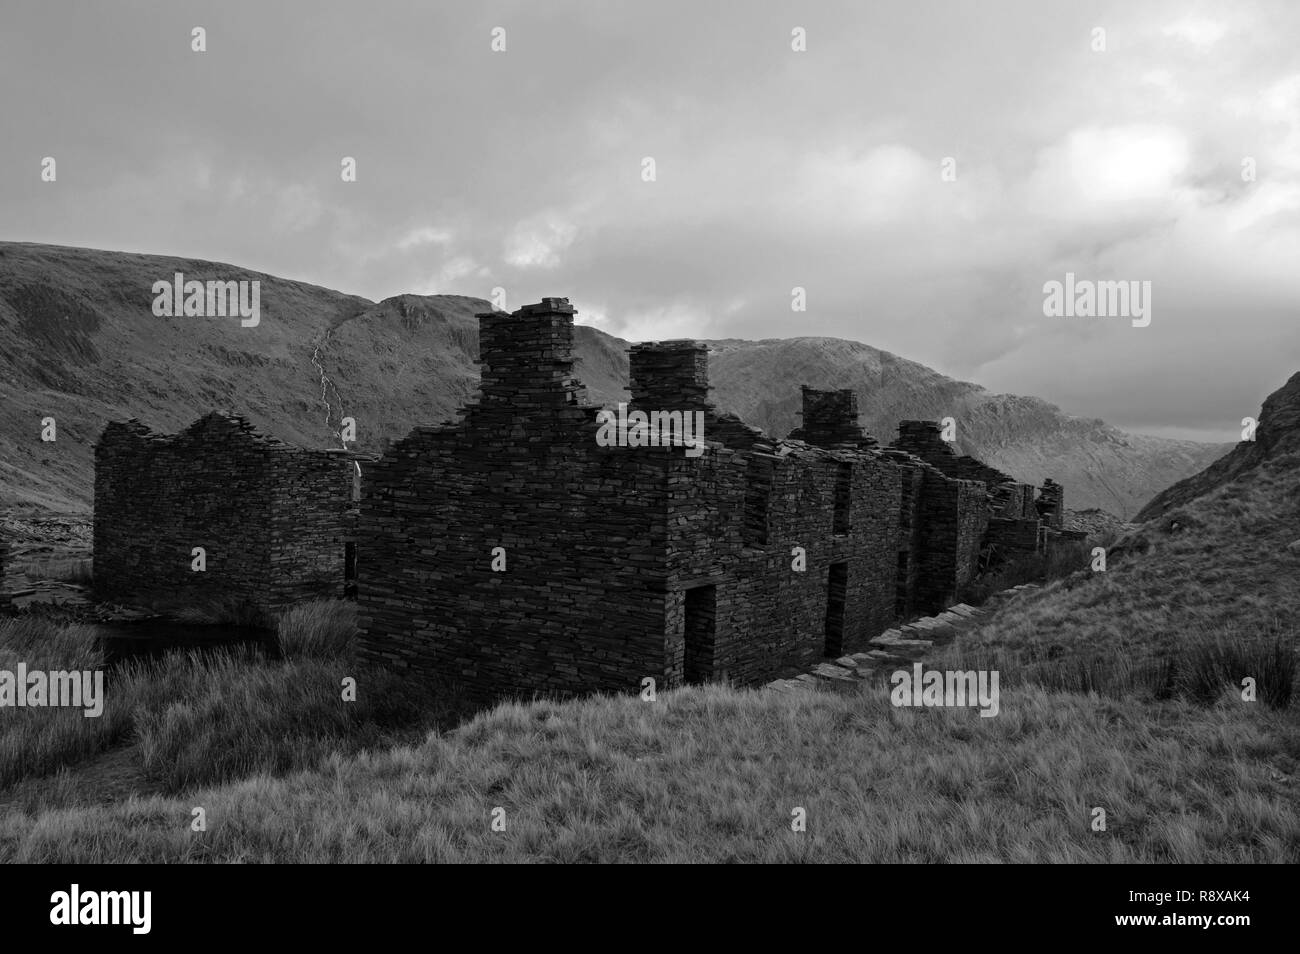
point(268, 516)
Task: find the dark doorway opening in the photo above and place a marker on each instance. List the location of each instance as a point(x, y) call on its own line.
point(701, 630)
point(837, 587)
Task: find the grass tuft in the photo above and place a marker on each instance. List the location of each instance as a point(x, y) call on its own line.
point(319, 630)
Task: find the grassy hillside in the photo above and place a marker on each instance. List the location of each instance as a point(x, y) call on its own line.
point(1226, 564)
point(714, 775)
point(1278, 433)
point(80, 344)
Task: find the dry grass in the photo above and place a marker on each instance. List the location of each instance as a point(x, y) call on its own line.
point(215, 716)
point(320, 630)
point(1219, 566)
point(714, 774)
point(1059, 562)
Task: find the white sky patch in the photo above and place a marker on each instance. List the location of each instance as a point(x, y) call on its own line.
point(587, 315)
point(877, 187)
point(426, 235)
point(1265, 201)
point(1125, 163)
point(1163, 80)
point(539, 242)
point(1200, 32)
point(1115, 178)
point(676, 320)
point(450, 279)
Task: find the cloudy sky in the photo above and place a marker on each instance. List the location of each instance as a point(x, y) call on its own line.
point(774, 168)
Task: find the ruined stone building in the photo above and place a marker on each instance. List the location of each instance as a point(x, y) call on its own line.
point(272, 519)
point(1017, 521)
point(516, 550)
point(513, 551)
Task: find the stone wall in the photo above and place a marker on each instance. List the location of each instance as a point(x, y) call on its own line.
point(953, 515)
point(770, 616)
point(1008, 498)
point(4, 561)
point(578, 604)
point(1007, 536)
point(1051, 504)
point(830, 419)
point(1013, 501)
point(620, 563)
point(512, 552)
point(268, 516)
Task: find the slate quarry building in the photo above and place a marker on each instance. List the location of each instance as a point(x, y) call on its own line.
point(274, 522)
point(514, 551)
point(518, 550)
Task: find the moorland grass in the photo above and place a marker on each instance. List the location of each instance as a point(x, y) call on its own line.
point(714, 774)
point(214, 716)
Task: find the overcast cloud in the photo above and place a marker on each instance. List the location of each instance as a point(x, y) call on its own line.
point(775, 169)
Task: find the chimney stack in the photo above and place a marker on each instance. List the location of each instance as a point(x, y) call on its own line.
point(526, 358)
point(831, 418)
point(669, 376)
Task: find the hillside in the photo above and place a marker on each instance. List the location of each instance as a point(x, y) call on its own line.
point(1278, 433)
point(81, 345)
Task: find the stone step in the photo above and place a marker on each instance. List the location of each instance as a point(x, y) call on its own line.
point(898, 646)
point(831, 671)
point(902, 643)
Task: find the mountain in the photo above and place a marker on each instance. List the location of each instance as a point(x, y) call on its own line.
point(1099, 465)
point(81, 345)
point(1277, 434)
